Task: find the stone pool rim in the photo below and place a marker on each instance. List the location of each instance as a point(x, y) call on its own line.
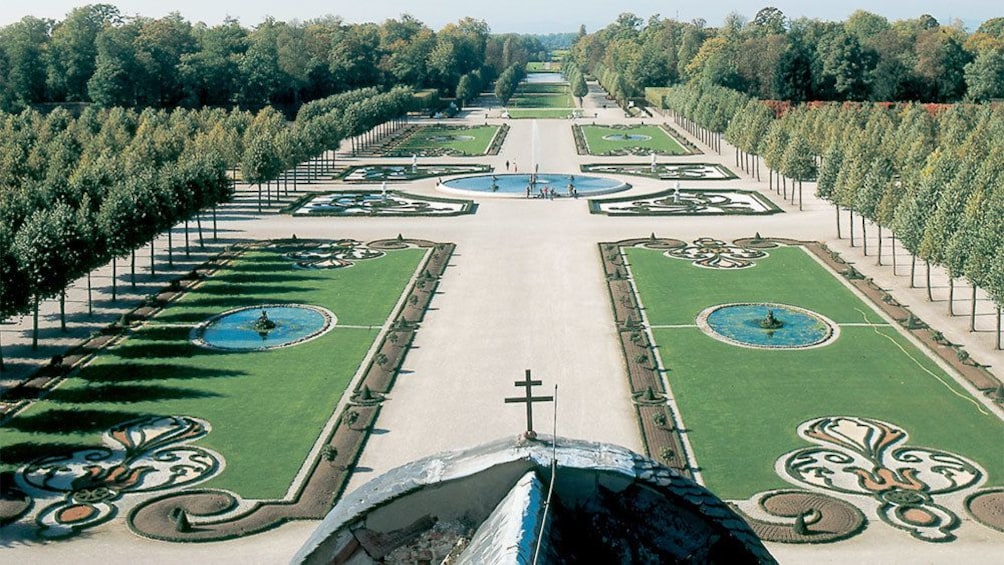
point(196, 336)
point(626, 137)
point(832, 333)
point(621, 186)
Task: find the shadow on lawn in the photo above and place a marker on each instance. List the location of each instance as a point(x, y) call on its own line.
point(71, 421)
point(201, 308)
point(239, 290)
point(126, 372)
point(253, 277)
point(123, 394)
point(169, 349)
point(25, 452)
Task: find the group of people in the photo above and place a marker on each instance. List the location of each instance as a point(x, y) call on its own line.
point(549, 193)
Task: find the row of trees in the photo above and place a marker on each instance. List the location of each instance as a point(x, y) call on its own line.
point(98, 55)
point(932, 176)
point(576, 80)
point(865, 57)
point(508, 82)
point(76, 193)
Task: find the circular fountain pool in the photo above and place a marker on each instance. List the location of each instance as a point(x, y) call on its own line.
point(515, 185)
point(744, 325)
point(257, 328)
point(627, 137)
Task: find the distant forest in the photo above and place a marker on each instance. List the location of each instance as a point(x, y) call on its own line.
point(866, 57)
point(98, 55)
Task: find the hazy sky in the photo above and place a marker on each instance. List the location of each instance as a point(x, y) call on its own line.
point(523, 16)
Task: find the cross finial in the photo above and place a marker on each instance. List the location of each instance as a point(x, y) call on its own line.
point(529, 399)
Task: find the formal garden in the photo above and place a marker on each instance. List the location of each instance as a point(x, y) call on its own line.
point(687, 202)
point(782, 377)
point(449, 140)
point(257, 355)
point(406, 172)
point(377, 203)
point(627, 140)
point(663, 171)
point(240, 394)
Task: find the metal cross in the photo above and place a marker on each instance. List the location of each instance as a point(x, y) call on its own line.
point(529, 399)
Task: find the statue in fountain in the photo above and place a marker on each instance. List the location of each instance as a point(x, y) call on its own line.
point(770, 322)
point(263, 324)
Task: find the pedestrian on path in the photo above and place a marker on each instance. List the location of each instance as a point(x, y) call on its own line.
point(507, 166)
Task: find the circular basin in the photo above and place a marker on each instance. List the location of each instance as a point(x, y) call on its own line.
point(243, 329)
point(626, 137)
point(743, 325)
point(515, 185)
point(448, 138)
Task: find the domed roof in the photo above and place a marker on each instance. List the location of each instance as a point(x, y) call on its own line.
point(491, 504)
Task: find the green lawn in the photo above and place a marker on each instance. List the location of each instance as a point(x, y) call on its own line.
point(266, 408)
point(542, 101)
point(658, 141)
point(450, 137)
point(741, 406)
point(542, 67)
point(543, 88)
point(541, 113)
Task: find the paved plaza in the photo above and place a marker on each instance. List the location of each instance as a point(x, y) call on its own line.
point(524, 290)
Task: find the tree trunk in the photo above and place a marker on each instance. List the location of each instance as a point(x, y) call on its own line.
point(132, 268)
point(259, 198)
point(153, 267)
point(114, 279)
point(879, 226)
point(188, 248)
point(893, 244)
point(972, 312)
point(1, 353)
point(930, 298)
point(215, 235)
point(998, 328)
point(913, 269)
point(864, 236)
point(784, 186)
point(837, 206)
point(198, 225)
point(62, 310)
point(170, 247)
point(800, 196)
point(951, 295)
point(850, 225)
point(34, 326)
point(90, 300)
